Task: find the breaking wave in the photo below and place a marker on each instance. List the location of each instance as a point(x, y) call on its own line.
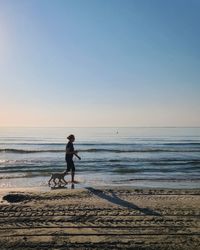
point(96, 150)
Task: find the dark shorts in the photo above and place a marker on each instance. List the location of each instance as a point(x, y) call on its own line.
point(70, 165)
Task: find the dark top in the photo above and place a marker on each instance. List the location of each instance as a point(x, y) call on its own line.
point(69, 148)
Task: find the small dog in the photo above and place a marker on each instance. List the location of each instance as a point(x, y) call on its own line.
point(59, 176)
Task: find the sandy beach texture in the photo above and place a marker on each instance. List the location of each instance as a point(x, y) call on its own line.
point(100, 218)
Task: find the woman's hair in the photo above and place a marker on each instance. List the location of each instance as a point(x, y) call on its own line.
point(70, 137)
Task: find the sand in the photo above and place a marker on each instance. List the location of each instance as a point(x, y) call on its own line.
point(100, 218)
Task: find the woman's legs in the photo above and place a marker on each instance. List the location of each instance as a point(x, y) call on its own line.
point(72, 174)
point(70, 166)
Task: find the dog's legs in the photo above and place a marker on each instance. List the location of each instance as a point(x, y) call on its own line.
point(59, 183)
point(54, 182)
point(63, 181)
point(49, 182)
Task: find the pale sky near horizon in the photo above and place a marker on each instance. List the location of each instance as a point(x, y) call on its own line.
point(99, 63)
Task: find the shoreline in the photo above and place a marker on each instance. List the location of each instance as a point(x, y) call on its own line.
point(41, 182)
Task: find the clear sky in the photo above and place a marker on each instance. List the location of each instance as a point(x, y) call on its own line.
point(99, 63)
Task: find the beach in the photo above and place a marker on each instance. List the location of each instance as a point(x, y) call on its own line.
point(99, 218)
point(138, 188)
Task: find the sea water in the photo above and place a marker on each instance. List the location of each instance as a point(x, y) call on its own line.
point(136, 157)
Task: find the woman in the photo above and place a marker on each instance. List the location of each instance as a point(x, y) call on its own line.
point(70, 152)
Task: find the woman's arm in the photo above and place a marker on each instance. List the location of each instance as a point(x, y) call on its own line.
point(68, 152)
point(71, 152)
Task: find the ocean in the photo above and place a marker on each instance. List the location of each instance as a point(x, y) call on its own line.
point(136, 157)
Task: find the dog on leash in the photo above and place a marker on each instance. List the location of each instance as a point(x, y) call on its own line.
point(60, 177)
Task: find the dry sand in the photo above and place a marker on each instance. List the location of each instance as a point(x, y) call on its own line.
point(100, 218)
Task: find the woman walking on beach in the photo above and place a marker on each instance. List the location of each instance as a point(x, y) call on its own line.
point(70, 152)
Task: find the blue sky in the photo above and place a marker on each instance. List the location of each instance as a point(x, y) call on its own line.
point(99, 63)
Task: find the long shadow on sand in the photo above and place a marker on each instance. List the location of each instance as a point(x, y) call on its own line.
point(113, 198)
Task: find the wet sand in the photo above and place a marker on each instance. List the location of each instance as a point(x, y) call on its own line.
point(100, 218)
